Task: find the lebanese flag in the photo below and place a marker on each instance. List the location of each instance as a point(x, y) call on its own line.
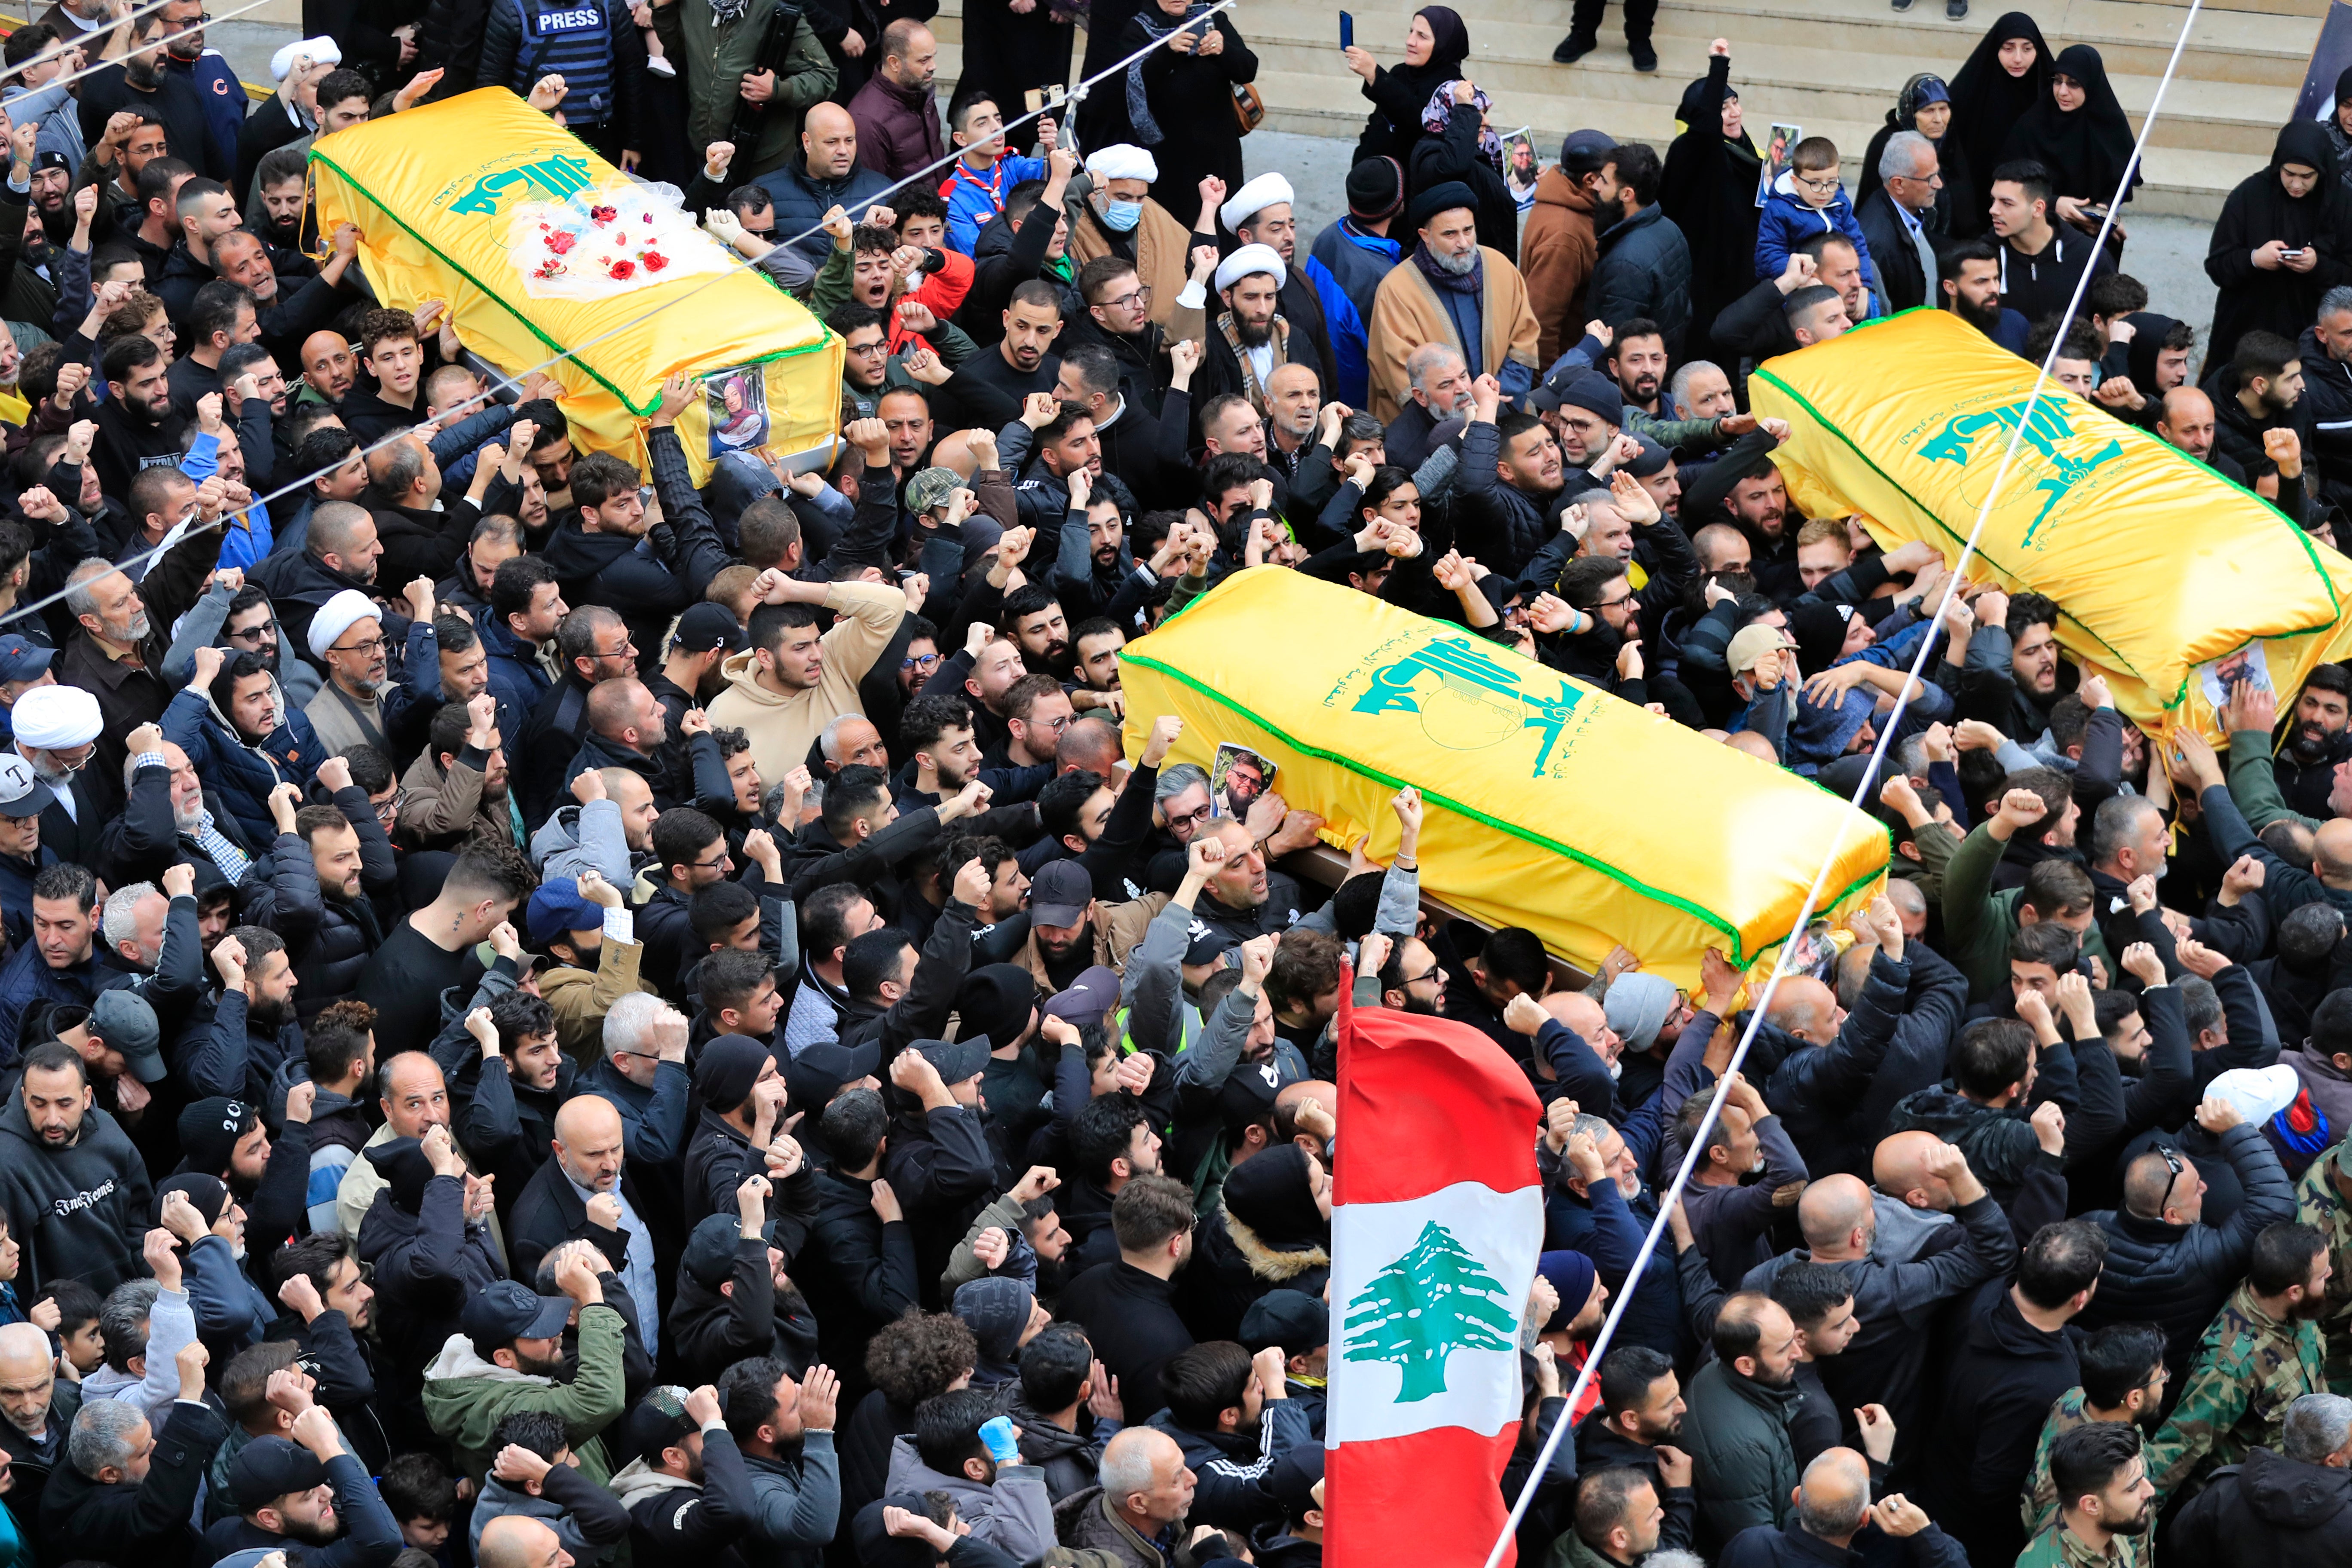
point(1437, 1218)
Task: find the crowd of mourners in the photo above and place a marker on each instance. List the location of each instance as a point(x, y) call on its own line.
point(551, 1022)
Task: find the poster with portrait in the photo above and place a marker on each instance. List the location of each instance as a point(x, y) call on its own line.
point(1237, 776)
point(1777, 148)
point(2246, 664)
point(1521, 167)
point(737, 402)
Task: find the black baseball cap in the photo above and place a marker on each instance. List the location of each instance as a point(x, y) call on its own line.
point(269, 1468)
point(705, 626)
point(1060, 893)
point(507, 1310)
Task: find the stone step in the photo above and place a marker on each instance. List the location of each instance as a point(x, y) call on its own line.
point(1785, 85)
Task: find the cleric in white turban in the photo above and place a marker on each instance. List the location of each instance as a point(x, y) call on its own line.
point(338, 615)
point(1118, 218)
point(54, 726)
point(1265, 190)
point(1248, 259)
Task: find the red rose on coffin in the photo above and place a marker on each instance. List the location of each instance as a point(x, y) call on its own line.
point(655, 261)
point(645, 217)
point(622, 269)
point(561, 242)
point(603, 215)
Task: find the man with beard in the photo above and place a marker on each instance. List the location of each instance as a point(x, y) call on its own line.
point(1971, 291)
point(943, 756)
point(74, 1189)
point(470, 1386)
point(1119, 317)
point(1147, 452)
point(2124, 1376)
point(2263, 1350)
point(627, 728)
point(240, 733)
point(125, 634)
point(52, 202)
point(204, 213)
point(287, 321)
point(1126, 1305)
point(252, 961)
point(1514, 470)
point(1737, 1424)
point(2106, 1505)
point(277, 216)
point(328, 368)
point(1067, 447)
point(1294, 407)
point(1637, 359)
point(1263, 212)
point(1021, 365)
point(215, 83)
point(2259, 423)
point(56, 731)
point(143, 81)
point(585, 1192)
point(2030, 623)
point(1234, 1414)
point(1096, 643)
point(1250, 339)
point(456, 788)
point(136, 427)
point(1032, 618)
point(306, 1490)
point(346, 635)
point(689, 1496)
point(1451, 291)
point(1438, 384)
point(526, 606)
point(2317, 740)
point(1071, 930)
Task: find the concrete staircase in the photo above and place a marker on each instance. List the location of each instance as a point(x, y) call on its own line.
point(1829, 66)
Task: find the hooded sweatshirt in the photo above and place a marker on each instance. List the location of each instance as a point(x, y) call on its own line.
point(2271, 1511)
point(79, 1211)
point(1013, 1514)
point(783, 727)
point(243, 771)
point(466, 1396)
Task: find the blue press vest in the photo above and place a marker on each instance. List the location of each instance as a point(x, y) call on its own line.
point(572, 41)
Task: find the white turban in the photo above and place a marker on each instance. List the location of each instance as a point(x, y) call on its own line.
point(1265, 190)
point(56, 717)
point(1123, 160)
point(338, 615)
point(1248, 259)
point(323, 51)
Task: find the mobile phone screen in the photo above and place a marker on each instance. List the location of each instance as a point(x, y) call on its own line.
point(1347, 31)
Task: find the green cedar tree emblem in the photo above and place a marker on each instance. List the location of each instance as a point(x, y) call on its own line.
point(1430, 1302)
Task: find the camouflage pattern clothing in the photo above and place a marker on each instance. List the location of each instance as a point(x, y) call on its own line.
point(2249, 1369)
point(2041, 1504)
point(2323, 1200)
point(2058, 1547)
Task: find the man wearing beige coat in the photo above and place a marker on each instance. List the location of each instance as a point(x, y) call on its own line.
point(791, 682)
point(1451, 289)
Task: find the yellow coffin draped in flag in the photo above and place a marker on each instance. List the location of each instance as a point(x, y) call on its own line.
point(1550, 804)
point(539, 245)
point(2169, 578)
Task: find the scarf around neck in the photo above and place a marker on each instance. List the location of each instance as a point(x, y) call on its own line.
point(1471, 282)
point(1155, 27)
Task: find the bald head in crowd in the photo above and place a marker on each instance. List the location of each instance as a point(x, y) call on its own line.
point(519, 1541)
point(1836, 1218)
point(28, 1378)
point(1835, 1497)
point(1899, 1168)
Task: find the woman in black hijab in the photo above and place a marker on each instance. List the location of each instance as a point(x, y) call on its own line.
point(2339, 130)
point(2079, 134)
point(2280, 243)
point(1925, 105)
point(1708, 189)
point(2006, 75)
point(1435, 44)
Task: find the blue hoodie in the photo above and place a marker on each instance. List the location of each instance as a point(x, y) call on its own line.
point(1788, 222)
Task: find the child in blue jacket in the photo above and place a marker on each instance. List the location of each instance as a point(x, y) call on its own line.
point(1806, 201)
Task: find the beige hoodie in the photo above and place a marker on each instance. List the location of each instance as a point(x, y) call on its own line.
point(782, 728)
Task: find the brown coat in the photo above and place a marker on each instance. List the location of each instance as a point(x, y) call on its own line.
point(581, 999)
point(1118, 928)
point(445, 811)
point(1406, 314)
point(1557, 249)
point(1164, 248)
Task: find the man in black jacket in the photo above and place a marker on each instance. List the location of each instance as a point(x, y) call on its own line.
point(1127, 1307)
point(734, 1299)
point(2287, 1509)
point(2016, 1359)
point(1890, 222)
point(865, 1266)
point(742, 1092)
point(587, 1192)
point(687, 1493)
point(38, 1407)
point(304, 1490)
point(128, 1492)
point(942, 1162)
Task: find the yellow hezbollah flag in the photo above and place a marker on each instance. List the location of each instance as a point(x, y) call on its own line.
point(1549, 804)
point(538, 245)
point(2169, 578)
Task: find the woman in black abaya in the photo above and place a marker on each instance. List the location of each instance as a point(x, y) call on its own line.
point(1435, 44)
point(2280, 243)
point(2006, 75)
point(2079, 134)
point(1708, 189)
